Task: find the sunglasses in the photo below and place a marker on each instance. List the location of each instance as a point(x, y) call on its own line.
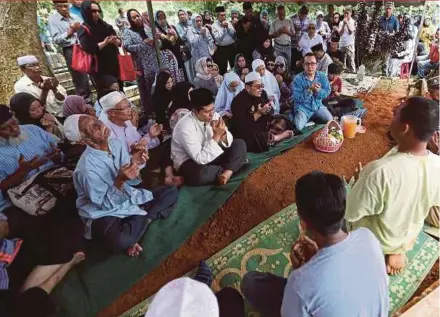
point(279, 65)
point(311, 27)
point(209, 65)
point(260, 86)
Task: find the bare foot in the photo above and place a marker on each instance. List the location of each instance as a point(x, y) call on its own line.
point(395, 263)
point(174, 180)
point(224, 177)
point(77, 258)
point(134, 250)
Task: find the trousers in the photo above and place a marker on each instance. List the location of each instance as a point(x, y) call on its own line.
point(232, 159)
point(322, 115)
point(224, 55)
point(80, 80)
point(349, 62)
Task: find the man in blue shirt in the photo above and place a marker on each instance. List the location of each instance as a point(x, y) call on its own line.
point(75, 8)
point(388, 22)
point(337, 274)
point(309, 89)
point(116, 212)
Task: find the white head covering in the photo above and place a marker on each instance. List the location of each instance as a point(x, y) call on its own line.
point(319, 13)
point(201, 69)
point(110, 100)
point(252, 76)
point(225, 96)
point(184, 297)
point(281, 60)
point(257, 63)
point(71, 128)
point(28, 59)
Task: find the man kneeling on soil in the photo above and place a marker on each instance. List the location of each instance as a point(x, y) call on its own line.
point(115, 212)
point(336, 274)
point(393, 195)
point(202, 148)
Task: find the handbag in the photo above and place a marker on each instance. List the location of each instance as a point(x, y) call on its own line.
point(127, 71)
point(39, 194)
point(82, 61)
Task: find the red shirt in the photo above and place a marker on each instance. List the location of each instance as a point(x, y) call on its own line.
point(433, 53)
point(338, 83)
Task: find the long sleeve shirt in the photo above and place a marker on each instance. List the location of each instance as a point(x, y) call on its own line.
point(192, 139)
point(36, 143)
point(306, 100)
point(94, 179)
point(58, 28)
point(306, 43)
point(223, 36)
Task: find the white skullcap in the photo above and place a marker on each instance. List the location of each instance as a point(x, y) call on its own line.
point(71, 128)
point(184, 297)
point(110, 100)
point(319, 13)
point(257, 63)
point(389, 4)
point(252, 76)
point(28, 59)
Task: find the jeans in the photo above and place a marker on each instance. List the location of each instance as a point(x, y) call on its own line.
point(424, 66)
point(322, 115)
point(265, 292)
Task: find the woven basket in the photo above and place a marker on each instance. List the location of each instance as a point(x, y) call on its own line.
point(322, 140)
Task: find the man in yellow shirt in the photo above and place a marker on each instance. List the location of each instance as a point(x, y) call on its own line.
point(393, 195)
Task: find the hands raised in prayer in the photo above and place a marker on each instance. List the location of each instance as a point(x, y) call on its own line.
point(47, 120)
point(126, 172)
point(139, 152)
point(218, 128)
point(265, 109)
point(302, 251)
point(316, 87)
point(155, 130)
point(27, 166)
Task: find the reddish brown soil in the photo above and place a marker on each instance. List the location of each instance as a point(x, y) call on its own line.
point(265, 192)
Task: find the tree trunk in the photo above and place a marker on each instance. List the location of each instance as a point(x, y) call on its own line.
point(18, 36)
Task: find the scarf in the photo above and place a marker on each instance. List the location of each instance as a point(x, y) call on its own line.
point(270, 84)
point(20, 104)
point(95, 27)
point(74, 105)
point(201, 69)
point(224, 96)
point(135, 28)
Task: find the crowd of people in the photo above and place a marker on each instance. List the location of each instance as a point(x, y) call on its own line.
point(76, 175)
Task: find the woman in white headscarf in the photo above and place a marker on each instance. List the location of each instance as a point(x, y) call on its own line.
point(231, 87)
point(270, 83)
point(203, 77)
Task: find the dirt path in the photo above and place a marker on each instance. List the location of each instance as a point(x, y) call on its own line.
point(265, 192)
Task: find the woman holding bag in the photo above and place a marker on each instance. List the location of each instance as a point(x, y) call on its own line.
point(141, 47)
point(99, 38)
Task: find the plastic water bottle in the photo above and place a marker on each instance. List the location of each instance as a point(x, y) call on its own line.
point(361, 73)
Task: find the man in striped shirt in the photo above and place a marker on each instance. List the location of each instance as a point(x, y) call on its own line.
point(301, 24)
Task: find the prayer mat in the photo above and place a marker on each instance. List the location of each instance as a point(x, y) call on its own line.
point(266, 248)
point(94, 284)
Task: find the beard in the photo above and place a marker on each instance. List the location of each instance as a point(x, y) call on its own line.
point(12, 141)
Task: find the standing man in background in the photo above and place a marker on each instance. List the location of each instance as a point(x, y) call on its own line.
point(329, 17)
point(347, 30)
point(388, 22)
point(282, 31)
point(121, 21)
point(75, 8)
point(301, 24)
point(63, 26)
point(223, 33)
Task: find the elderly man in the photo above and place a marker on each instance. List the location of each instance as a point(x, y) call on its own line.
point(388, 22)
point(202, 149)
point(311, 38)
point(63, 27)
point(117, 115)
point(347, 30)
point(282, 30)
point(223, 33)
point(402, 187)
point(116, 213)
point(46, 89)
point(309, 89)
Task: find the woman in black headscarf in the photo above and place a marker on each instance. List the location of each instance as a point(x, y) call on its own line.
point(99, 38)
point(162, 97)
point(265, 50)
point(180, 99)
point(29, 110)
point(140, 44)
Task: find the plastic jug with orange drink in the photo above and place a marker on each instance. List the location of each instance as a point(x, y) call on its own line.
point(350, 125)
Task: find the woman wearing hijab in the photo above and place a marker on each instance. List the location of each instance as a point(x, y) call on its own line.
point(180, 97)
point(241, 67)
point(231, 87)
point(334, 26)
point(99, 38)
point(76, 105)
point(284, 80)
point(30, 110)
point(207, 19)
point(141, 47)
point(183, 27)
point(203, 77)
point(264, 18)
point(322, 27)
point(171, 41)
point(270, 83)
point(265, 50)
point(202, 43)
point(162, 97)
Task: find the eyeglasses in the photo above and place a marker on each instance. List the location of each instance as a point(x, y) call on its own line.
point(311, 28)
point(258, 86)
point(209, 65)
point(310, 64)
point(33, 65)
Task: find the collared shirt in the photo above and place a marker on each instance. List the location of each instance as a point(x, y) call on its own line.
point(301, 27)
point(36, 143)
point(389, 25)
point(192, 139)
point(223, 36)
point(306, 43)
point(53, 106)
point(306, 100)
point(347, 39)
point(76, 11)
point(278, 24)
point(58, 27)
point(94, 179)
point(120, 20)
point(323, 63)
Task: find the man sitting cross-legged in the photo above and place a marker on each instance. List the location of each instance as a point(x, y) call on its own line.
point(335, 274)
point(115, 212)
point(393, 195)
point(202, 148)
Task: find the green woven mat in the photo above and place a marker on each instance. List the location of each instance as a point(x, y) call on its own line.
point(266, 248)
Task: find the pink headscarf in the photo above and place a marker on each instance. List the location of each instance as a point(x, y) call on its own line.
point(74, 105)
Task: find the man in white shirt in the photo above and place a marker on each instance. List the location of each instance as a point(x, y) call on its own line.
point(311, 38)
point(223, 33)
point(46, 89)
point(202, 149)
point(347, 30)
point(282, 31)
